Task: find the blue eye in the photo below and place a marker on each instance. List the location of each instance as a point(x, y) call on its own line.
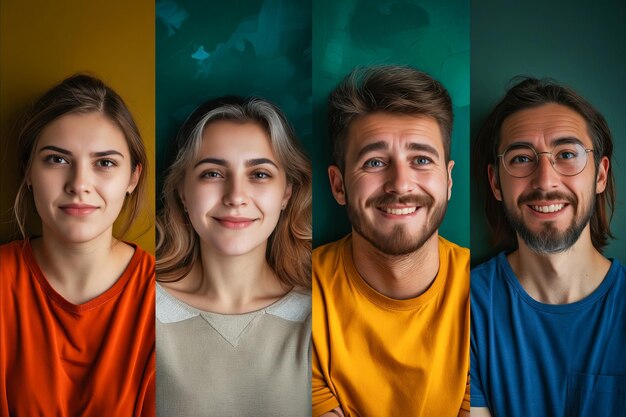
point(373, 163)
point(422, 160)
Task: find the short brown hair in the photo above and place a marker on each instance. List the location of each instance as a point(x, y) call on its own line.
point(80, 94)
point(392, 89)
point(528, 93)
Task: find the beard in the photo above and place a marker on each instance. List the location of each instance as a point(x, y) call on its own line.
point(399, 241)
point(549, 239)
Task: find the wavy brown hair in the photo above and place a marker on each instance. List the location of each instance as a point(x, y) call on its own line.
point(528, 93)
point(289, 245)
point(79, 94)
point(388, 88)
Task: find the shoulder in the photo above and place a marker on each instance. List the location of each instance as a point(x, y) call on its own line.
point(141, 271)
point(619, 270)
point(330, 251)
point(455, 254)
point(13, 257)
point(329, 257)
point(489, 269)
point(294, 306)
point(142, 262)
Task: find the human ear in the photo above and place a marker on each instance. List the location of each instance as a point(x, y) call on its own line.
point(494, 182)
point(603, 175)
point(336, 184)
point(450, 166)
point(134, 179)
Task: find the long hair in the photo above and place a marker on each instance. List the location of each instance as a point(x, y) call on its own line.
point(79, 94)
point(529, 93)
point(289, 245)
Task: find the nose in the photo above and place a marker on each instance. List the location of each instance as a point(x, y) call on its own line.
point(400, 180)
point(79, 180)
point(545, 176)
point(235, 193)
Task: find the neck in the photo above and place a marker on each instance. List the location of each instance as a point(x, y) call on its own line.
point(398, 277)
point(560, 278)
point(78, 271)
point(232, 284)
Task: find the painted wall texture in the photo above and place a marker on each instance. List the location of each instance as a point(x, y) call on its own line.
point(572, 43)
point(206, 50)
point(432, 36)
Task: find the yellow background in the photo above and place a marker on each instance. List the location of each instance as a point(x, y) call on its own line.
point(41, 43)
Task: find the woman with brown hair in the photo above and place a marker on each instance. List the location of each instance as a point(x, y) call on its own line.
point(233, 269)
point(77, 327)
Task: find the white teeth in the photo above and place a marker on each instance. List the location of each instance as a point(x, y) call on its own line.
point(398, 212)
point(548, 209)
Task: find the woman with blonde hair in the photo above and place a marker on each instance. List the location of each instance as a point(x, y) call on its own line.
point(234, 264)
point(77, 303)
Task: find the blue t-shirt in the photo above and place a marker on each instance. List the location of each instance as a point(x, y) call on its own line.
point(533, 359)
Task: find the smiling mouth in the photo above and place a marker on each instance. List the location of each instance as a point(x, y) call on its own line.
point(399, 211)
point(552, 208)
point(234, 222)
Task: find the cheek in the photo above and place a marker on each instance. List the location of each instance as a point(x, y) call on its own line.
point(270, 200)
point(201, 199)
point(435, 185)
point(360, 188)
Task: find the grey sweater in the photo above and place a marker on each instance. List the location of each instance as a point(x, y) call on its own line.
point(252, 364)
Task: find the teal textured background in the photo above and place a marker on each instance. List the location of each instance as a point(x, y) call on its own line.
point(207, 49)
point(430, 35)
point(576, 43)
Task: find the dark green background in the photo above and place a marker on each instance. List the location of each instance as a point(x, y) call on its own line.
point(430, 35)
point(252, 47)
point(577, 43)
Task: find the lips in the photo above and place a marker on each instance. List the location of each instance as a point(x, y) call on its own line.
point(78, 209)
point(231, 222)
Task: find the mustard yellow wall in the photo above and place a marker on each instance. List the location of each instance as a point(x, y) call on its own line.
point(42, 42)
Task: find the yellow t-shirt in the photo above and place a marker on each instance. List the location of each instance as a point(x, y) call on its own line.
point(376, 356)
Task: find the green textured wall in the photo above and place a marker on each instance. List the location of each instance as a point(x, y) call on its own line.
point(209, 49)
point(575, 44)
point(430, 35)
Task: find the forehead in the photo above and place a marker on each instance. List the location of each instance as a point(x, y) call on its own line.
point(542, 125)
point(235, 138)
point(393, 128)
point(84, 131)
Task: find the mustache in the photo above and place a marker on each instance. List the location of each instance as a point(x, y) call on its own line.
point(391, 199)
point(539, 195)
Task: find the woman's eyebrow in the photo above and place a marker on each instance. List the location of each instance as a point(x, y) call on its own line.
point(68, 153)
point(215, 161)
point(55, 149)
point(260, 161)
point(107, 153)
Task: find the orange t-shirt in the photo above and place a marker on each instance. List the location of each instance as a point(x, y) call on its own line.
point(61, 359)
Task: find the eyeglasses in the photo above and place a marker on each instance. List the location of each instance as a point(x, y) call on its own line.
point(567, 159)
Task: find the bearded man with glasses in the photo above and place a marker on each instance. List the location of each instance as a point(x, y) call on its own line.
point(549, 313)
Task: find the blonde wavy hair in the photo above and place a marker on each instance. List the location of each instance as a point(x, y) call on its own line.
point(289, 245)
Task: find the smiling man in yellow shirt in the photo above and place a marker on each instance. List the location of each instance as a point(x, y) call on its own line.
point(391, 300)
